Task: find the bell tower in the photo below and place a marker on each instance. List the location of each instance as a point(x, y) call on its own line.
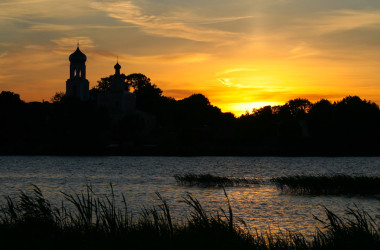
point(117, 83)
point(77, 85)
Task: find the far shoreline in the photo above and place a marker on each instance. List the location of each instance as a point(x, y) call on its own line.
point(198, 155)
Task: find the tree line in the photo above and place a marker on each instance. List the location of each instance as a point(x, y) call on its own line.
point(191, 126)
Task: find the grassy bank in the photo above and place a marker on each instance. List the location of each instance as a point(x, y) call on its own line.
point(335, 185)
point(208, 180)
point(86, 221)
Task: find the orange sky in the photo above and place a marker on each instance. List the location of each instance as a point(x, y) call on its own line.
point(241, 54)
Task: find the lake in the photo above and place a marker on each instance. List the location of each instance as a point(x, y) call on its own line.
point(139, 178)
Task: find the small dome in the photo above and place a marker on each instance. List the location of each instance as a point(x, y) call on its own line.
point(117, 66)
point(78, 56)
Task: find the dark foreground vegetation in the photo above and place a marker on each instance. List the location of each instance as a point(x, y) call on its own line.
point(87, 221)
point(329, 185)
point(162, 125)
point(208, 180)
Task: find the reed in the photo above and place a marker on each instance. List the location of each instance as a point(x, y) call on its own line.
point(208, 180)
point(329, 185)
point(87, 221)
point(357, 231)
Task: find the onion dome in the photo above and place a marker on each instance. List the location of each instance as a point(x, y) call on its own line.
point(78, 56)
point(117, 66)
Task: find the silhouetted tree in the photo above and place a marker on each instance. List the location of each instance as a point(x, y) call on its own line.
point(265, 112)
point(191, 125)
point(148, 95)
point(266, 121)
point(9, 98)
point(356, 117)
point(142, 84)
point(105, 83)
point(321, 119)
point(299, 107)
point(196, 101)
point(197, 110)
point(255, 127)
point(322, 108)
point(58, 97)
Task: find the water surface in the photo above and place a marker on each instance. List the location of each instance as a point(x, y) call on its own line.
point(139, 178)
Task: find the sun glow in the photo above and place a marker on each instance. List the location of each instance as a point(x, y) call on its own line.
point(241, 108)
point(240, 55)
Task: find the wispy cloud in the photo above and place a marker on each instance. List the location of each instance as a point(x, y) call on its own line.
point(35, 26)
point(229, 82)
point(43, 8)
point(29, 58)
point(4, 54)
point(50, 27)
point(66, 44)
point(176, 58)
point(235, 70)
point(179, 25)
point(343, 20)
point(188, 17)
point(39, 73)
point(171, 58)
point(2, 77)
point(301, 50)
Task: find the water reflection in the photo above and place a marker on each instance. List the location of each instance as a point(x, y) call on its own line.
point(261, 206)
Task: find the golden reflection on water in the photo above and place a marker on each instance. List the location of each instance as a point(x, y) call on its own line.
point(262, 206)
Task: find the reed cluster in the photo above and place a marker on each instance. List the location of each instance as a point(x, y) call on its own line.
point(88, 221)
point(334, 185)
point(208, 180)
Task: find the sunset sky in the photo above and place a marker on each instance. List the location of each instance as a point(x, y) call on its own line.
point(241, 54)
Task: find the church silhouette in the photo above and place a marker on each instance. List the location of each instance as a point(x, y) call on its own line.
point(117, 100)
point(77, 85)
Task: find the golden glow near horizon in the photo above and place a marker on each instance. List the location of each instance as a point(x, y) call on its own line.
point(241, 54)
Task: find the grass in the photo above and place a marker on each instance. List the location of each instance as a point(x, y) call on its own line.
point(208, 180)
point(90, 222)
point(358, 231)
point(329, 185)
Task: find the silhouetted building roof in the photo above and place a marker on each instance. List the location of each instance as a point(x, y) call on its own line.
point(117, 66)
point(77, 85)
point(78, 56)
point(117, 99)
